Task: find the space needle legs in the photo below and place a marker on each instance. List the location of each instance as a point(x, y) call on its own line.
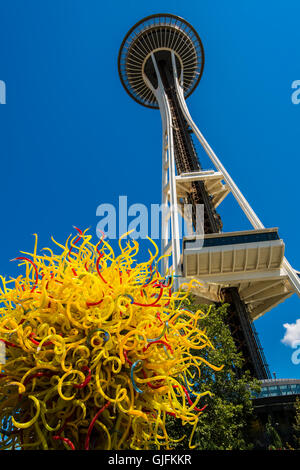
point(245, 206)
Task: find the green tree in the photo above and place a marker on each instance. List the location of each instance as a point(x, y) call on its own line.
point(296, 426)
point(226, 422)
point(272, 436)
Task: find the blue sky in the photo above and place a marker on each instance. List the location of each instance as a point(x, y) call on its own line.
point(71, 138)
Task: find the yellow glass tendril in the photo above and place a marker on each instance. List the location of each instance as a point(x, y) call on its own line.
point(99, 350)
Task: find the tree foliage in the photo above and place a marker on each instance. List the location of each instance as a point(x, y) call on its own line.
point(297, 424)
point(226, 421)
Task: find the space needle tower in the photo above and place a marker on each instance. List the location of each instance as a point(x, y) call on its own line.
point(160, 63)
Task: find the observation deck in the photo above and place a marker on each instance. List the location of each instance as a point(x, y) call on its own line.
point(251, 261)
point(279, 387)
point(159, 34)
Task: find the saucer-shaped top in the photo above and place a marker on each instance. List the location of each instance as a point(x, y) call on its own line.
point(160, 32)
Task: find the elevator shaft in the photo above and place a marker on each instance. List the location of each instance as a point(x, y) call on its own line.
point(186, 158)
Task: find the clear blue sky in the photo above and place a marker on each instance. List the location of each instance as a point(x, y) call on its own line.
point(71, 138)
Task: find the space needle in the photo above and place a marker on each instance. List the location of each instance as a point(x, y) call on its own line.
point(160, 64)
